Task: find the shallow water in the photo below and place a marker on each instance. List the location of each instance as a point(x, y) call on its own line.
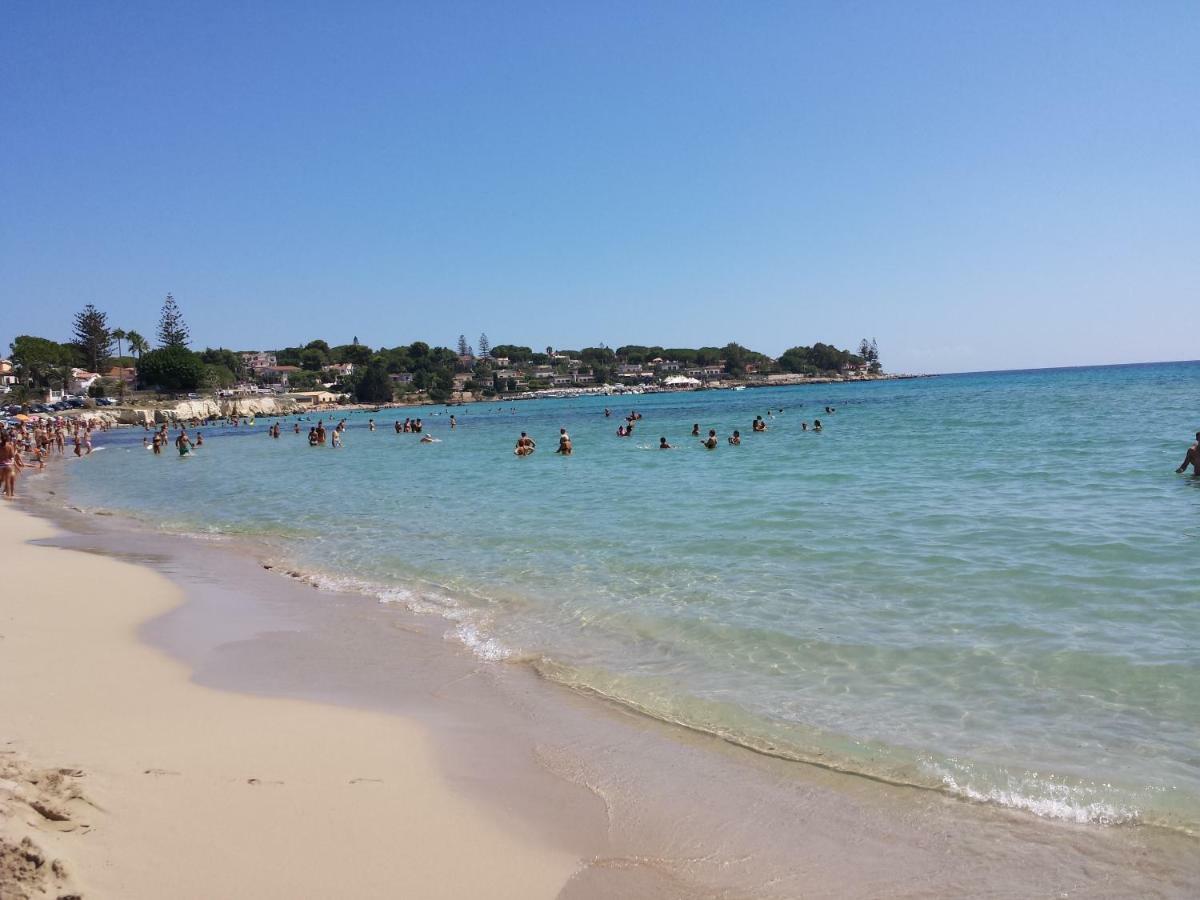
point(984, 583)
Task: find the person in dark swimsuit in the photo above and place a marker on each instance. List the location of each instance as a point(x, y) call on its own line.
point(1192, 458)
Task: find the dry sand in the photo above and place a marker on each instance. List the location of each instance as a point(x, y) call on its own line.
point(142, 784)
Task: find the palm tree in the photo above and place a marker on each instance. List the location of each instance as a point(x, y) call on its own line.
point(137, 343)
point(118, 335)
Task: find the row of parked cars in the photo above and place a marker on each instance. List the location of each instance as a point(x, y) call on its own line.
point(58, 406)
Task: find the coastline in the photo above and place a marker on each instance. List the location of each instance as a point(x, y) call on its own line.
point(617, 789)
point(188, 791)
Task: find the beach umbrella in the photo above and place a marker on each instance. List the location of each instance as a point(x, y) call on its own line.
point(23, 417)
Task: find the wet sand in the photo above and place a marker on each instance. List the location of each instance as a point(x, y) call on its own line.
point(610, 802)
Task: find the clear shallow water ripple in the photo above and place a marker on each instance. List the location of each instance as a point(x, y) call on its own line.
point(984, 583)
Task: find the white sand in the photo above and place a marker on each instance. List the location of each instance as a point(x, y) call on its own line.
point(198, 793)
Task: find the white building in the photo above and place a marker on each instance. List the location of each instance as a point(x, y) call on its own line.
point(257, 359)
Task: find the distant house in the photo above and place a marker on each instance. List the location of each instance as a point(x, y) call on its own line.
point(341, 369)
point(7, 378)
point(81, 380)
point(257, 359)
point(501, 361)
point(277, 374)
point(312, 398)
point(127, 374)
point(629, 369)
point(401, 377)
point(667, 365)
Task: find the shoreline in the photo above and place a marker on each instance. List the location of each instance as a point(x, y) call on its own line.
point(294, 797)
point(610, 765)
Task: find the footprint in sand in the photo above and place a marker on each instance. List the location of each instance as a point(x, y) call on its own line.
point(160, 772)
point(260, 781)
point(366, 780)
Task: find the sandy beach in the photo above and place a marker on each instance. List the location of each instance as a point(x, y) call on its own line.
point(126, 779)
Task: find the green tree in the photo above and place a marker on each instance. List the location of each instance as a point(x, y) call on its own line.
point(171, 369)
point(172, 331)
point(38, 360)
point(312, 359)
point(485, 348)
point(463, 349)
point(92, 337)
point(374, 386)
point(118, 335)
point(137, 343)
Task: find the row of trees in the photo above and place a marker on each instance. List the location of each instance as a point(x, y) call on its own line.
point(42, 363)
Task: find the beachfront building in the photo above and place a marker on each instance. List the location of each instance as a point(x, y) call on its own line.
point(573, 378)
point(665, 366)
point(312, 398)
point(7, 376)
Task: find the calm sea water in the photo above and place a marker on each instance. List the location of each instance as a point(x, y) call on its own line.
point(985, 584)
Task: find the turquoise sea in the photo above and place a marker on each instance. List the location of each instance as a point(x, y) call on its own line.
point(984, 584)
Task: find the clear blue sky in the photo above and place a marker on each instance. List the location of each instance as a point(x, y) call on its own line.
point(977, 185)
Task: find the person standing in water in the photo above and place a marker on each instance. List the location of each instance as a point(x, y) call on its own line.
point(564, 442)
point(1192, 458)
point(710, 442)
point(182, 444)
point(453, 422)
point(525, 445)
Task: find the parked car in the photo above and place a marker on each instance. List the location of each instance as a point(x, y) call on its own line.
point(105, 401)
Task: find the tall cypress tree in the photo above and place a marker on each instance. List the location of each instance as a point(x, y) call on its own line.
point(92, 336)
point(172, 330)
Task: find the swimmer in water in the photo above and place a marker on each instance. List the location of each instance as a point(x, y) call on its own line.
point(696, 430)
point(453, 422)
point(1192, 458)
point(564, 442)
point(816, 424)
point(759, 424)
point(710, 442)
point(663, 445)
point(371, 424)
point(525, 445)
point(735, 438)
point(182, 444)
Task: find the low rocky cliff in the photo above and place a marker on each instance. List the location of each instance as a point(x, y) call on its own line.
point(185, 410)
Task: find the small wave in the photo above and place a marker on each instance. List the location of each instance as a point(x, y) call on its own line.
point(1047, 797)
point(469, 630)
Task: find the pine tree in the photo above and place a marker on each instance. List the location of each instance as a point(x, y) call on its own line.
point(172, 331)
point(92, 336)
point(864, 350)
point(463, 349)
point(485, 346)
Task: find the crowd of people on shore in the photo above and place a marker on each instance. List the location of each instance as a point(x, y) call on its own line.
point(31, 443)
